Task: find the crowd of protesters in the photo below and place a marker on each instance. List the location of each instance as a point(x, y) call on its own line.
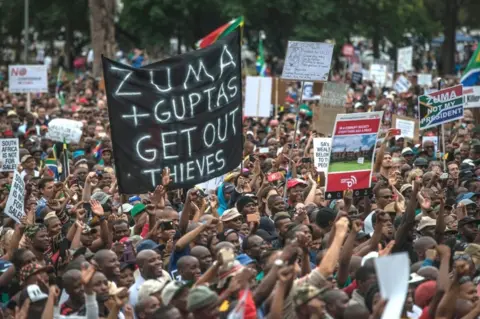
point(249, 248)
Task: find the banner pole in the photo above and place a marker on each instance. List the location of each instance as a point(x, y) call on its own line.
point(29, 102)
point(276, 107)
point(439, 86)
point(443, 148)
point(294, 138)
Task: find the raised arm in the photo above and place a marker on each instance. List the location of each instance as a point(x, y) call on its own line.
point(330, 260)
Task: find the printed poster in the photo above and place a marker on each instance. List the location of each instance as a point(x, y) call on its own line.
point(353, 148)
point(441, 107)
point(27, 79)
point(472, 96)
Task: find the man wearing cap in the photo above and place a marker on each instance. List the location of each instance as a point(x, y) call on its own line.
point(308, 302)
point(29, 164)
point(202, 302)
point(427, 225)
point(408, 155)
point(232, 219)
point(468, 231)
point(295, 189)
point(175, 293)
point(470, 206)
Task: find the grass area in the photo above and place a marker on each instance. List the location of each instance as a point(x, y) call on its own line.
point(349, 166)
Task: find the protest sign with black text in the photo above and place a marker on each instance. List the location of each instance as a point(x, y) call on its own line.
point(15, 202)
point(9, 154)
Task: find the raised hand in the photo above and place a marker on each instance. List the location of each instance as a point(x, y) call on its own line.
point(166, 179)
point(97, 209)
point(285, 274)
point(387, 250)
point(158, 194)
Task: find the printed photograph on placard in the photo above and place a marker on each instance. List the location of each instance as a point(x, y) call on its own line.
point(352, 153)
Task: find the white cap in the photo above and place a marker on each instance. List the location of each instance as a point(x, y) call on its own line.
point(358, 104)
point(125, 208)
point(35, 294)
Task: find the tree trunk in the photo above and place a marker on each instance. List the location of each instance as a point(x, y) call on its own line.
point(102, 30)
point(68, 45)
point(449, 32)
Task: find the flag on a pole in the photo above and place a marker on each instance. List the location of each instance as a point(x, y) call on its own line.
point(261, 66)
point(52, 168)
point(220, 32)
point(471, 75)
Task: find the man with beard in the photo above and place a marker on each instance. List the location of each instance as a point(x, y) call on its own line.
point(150, 266)
point(383, 160)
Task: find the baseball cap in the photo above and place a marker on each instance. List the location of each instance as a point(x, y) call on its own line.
point(101, 197)
point(230, 214)
point(420, 162)
point(172, 289)
point(228, 188)
point(281, 215)
point(25, 158)
point(405, 187)
point(137, 209)
point(302, 294)
point(134, 199)
point(125, 208)
point(294, 182)
point(426, 222)
point(407, 151)
point(325, 217)
point(467, 202)
point(147, 244)
point(35, 293)
point(244, 259)
point(468, 220)
point(11, 113)
point(150, 287)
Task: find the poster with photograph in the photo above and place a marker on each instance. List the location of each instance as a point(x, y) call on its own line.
point(352, 152)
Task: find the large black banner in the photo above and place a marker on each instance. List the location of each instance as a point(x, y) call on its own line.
point(183, 113)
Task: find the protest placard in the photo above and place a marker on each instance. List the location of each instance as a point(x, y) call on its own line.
point(402, 84)
point(64, 130)
point(352, 156)
point(309, 92)
point(307, 61)
point(357, 77)
point(332, 102)
point(183, 113)
point(472, 96)
point(27, 78)
point(408, 126)
point(424, 79)
point(404, 59)
point(9, 154)
point(378, 73)
point(15, 202)
point(441, 106)
point(258, 94)
point(321, 153)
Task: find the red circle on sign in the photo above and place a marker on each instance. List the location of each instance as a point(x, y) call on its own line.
point(348, 50)
point(22, 71)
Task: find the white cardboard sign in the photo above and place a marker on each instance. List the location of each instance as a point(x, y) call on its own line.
point(378, 73)
point(472, 96)
point(404, 59)
point(407, 128)
point(15, 202)
point(258, 96)
point(65, 130)
point(9, 154)
point(307, 61)
point(321, 153)
point(27, 78)
point(424, 79)
point(402, 84)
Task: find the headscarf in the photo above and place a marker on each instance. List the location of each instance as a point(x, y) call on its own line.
point(31, 230)
point(222, 203)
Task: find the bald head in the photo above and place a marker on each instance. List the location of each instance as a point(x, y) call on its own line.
point(356, 311)
point(143, 256)
point(185, 261)
point(198, 251)
point(71, 277)
point(223, 244)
